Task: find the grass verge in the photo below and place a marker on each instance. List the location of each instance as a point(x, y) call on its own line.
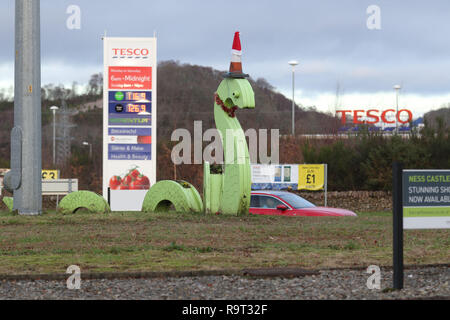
point(167, 242)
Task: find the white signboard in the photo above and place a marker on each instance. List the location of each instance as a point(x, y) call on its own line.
point(274, 177)
point(129, 121)
point(426, 199)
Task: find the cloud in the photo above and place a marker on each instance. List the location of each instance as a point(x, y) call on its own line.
point(328, 37)
point(56, 72)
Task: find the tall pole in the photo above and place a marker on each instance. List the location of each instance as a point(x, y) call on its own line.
point(293, 103)
point(54, 108)
point(397, 88)
point(293, 63)
point(54, 136)
point(27, 107)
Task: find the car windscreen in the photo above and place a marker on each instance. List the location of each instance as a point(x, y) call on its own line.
point(296, 201)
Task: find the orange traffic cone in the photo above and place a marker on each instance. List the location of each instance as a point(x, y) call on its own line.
point(236, 63)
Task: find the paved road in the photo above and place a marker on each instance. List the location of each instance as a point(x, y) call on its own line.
point(329, 284)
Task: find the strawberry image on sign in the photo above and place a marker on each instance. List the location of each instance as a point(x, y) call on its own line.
point(143, 182)
point(132, 180)
point(114, 182)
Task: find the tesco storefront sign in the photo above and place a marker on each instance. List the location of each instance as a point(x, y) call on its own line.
point(373, 116)
point(131, 51)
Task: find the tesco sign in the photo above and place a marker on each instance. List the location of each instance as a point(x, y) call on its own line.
point(374, 116)
point(130, 52)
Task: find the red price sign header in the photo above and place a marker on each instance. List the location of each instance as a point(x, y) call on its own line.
point(130, 78)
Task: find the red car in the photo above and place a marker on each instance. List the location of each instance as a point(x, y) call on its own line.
point(281, 203)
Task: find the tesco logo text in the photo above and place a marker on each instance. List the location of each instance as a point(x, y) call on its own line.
point(375, 116)
point(130, 52)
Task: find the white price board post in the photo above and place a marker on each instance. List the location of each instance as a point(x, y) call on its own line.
point(129, 121)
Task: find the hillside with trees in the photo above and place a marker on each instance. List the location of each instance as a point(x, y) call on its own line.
point(185, 95)
point(441, 113)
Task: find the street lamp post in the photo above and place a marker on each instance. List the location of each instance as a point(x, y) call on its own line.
point(85, 143)
point(293, 63)
point(397, 89)
point(54, 108)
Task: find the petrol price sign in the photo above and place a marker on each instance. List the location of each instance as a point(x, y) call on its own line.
point(129, 121)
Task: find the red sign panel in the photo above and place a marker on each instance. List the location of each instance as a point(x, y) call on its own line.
point(130, 78)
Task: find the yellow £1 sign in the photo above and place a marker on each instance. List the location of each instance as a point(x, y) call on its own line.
point(311, 176)
point(50, 174)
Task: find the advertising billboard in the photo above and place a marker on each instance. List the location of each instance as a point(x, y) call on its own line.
point(283, 176)
point(274, 177)
point(312, 177)
point(426, 199)
point(129, 121)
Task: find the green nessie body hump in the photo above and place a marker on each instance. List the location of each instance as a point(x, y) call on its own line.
point(228, 190)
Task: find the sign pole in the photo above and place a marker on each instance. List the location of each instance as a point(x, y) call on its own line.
point(326, 183)
point(397, 187)
point(26, 143)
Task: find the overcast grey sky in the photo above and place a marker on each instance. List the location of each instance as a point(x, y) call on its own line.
point(329, 38)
